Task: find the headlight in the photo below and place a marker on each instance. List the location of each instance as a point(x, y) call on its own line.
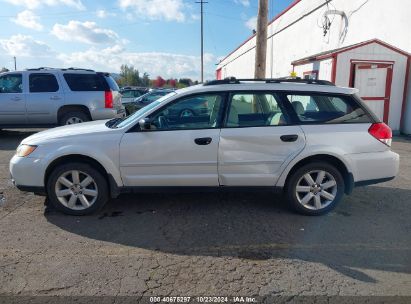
point(25, 150)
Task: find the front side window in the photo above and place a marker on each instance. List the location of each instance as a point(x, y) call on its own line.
point(43, 83)
point(11, 83)
point(194, 112)
point(314, 108)
point(255, 110)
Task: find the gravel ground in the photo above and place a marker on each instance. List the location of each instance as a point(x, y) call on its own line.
point(205, 244)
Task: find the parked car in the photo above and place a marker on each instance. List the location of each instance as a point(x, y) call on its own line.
point(146, 99)
point(313, 140)
point(48, 97)
point(128, 97)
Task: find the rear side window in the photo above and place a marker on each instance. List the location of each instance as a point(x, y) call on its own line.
point(86, 82)
point(112, 83)
point(42, 83)
point(319, 108)
point(255, 110)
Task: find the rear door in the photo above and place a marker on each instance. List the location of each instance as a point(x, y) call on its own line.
point(12, 100)
point(257, 140)
point(45, 97)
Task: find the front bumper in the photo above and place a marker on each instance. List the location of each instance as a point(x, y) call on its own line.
point(27, 173)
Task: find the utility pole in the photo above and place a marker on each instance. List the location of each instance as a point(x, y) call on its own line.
point(261, 42)
point(15, 63)
point(202, 2)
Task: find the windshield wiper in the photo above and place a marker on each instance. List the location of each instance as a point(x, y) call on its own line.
point(113, 122)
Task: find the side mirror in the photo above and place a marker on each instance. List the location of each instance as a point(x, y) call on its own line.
point(145, 124)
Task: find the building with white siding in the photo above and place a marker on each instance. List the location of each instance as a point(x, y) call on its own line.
point(358, 43)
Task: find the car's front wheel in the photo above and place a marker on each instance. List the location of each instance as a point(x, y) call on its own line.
point(315, 188)
point(77, 189)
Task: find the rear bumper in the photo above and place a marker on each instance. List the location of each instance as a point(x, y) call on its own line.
point(376, 166)
point(101, 114)
point(373, 181)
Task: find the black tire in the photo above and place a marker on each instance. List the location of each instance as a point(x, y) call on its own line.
point(297, 176)
point(100, 181)
point(77, 115)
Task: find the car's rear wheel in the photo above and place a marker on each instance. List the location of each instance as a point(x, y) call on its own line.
point(71, 118)
point(315, 188)
point(77, 189)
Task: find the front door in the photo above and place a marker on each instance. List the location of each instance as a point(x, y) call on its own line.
point(373, 80)
point(46, 96)
point(179, 148)
point(256, 141)
point(12, 100)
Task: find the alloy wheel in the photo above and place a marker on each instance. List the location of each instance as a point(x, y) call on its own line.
point(76, 190)
point(73, 120)
point(316, 189)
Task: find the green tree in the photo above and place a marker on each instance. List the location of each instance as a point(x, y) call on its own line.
point(145, 81)
point(129, 76)
point(184, 82)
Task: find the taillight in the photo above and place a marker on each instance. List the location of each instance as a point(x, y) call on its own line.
point(382, 132)
point(108, 99)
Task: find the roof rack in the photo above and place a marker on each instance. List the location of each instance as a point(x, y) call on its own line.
point(41, 68)
point(77, 69)
point(66, 69)
point(233, 80)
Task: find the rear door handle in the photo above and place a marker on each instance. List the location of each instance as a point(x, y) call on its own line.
point(289, 138)
point(16, 98)
point(203, 141)
point(55, 98)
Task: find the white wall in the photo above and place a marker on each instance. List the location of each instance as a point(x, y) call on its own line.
point(366, 20)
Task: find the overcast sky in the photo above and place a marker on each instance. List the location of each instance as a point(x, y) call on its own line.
point(160, 37)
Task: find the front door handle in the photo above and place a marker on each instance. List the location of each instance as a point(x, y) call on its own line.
point(203, 141)
point(289, 138)
point(55, 98)
point(16, 98)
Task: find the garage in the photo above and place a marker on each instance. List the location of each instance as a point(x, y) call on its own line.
point(378, 69)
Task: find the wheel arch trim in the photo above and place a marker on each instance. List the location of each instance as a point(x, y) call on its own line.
point(305, 156)
point(102, 161)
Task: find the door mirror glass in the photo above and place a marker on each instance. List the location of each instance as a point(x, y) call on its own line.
point(145, 124)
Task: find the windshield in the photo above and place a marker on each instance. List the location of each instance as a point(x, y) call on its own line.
point(127, 120)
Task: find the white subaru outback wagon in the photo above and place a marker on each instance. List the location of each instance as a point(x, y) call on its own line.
point(312, 139)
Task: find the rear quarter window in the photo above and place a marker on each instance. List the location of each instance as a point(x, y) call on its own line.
point(86, 82)
point(326, 108)
point(113, 84)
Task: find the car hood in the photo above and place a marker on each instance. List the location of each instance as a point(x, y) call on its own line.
point(85, 128)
